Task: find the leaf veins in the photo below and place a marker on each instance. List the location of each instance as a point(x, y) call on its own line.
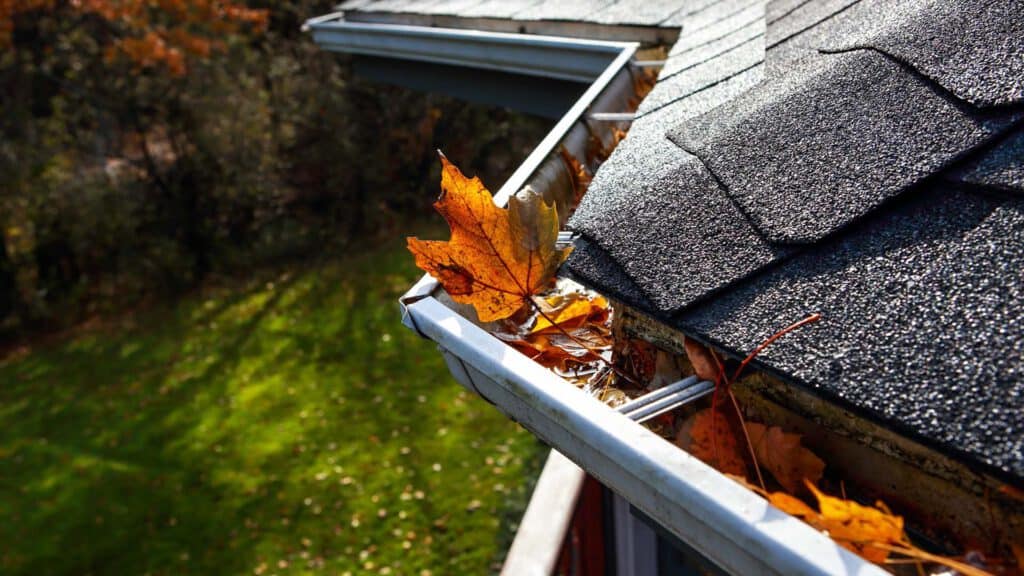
point(496, 258)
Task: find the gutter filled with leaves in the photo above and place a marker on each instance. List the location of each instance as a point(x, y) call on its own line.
point(514, 335)
point(502, 312)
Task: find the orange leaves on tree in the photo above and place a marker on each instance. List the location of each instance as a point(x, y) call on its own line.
point(149, 33)
point(497, 258)
point(149, 51)
point(782, 454)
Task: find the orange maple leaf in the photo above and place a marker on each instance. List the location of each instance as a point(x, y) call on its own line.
point(497, 258)
point(782, 454)
point(713, 440)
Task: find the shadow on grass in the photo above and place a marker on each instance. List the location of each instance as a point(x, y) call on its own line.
point(280, 429)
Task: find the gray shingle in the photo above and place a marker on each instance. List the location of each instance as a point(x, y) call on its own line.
point(572, 11)
point(850, 155)
point(588, 262)
point(352, 4)
point(922, 321)
point(731, 17)
point(809, 152)
point(1001, 167)
point(450, 7)
point(695, 237)
point(637, 12)
point(694, 16)
point(785, 22)
point(498, 8)
point(973, 49)
point(398, 6)
point(747, 56)
point(642, 229)
point(697, 55)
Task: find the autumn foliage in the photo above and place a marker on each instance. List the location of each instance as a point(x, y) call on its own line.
point(497, 258)
point(154, 34)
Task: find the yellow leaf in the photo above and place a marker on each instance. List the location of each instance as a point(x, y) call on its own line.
point(575, 312)
point(496, 258)
point(858, 528)
point(791, 505)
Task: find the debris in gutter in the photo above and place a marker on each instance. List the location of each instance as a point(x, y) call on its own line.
point(723, 439)
point(502, 262)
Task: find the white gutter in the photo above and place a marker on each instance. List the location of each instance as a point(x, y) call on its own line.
point(723, 521)
point(545, 56)
point(720, 519)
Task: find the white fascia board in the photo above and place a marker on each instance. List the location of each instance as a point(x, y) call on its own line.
point(545, 56)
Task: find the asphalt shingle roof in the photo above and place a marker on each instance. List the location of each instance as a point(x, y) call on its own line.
point(922, 321)
point(973, 49)
point(863, 160)
point(1000, 168)
point(808, 152)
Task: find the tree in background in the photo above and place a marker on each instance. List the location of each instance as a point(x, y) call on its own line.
point(145, 144)
point(150, 34)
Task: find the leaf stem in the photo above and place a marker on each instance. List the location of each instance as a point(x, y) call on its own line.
point(746, 436)
point(725, 383)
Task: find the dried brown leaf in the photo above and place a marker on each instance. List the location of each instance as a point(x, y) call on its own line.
point(702, 359)
point(782, 454)
point(713, 439)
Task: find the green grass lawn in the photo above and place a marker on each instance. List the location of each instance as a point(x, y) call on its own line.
point(283, 427)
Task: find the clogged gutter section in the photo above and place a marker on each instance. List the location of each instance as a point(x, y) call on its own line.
point(722, 520)
point(570, 331)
